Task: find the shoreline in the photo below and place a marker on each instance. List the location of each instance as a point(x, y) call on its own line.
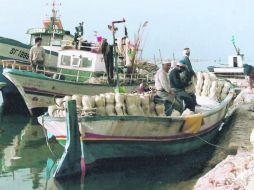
point(236, 170)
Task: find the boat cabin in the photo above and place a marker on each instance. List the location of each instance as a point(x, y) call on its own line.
point(81, 60)
point(52, 32)
point(49, 37)
point(236, 61)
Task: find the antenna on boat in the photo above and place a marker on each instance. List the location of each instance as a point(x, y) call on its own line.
point(236, 49)
point(53, 22)
point(113, 30)
point(160, 55)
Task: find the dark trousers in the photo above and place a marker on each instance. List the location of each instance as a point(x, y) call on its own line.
point(189, 99)
point(170, 102)
point(107, 51)
point(37, 65)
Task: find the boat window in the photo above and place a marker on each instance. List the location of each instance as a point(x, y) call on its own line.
point(75, 62)
point(86, 62)
point(66, 60)
point(56, 41)
point(45, 40)
point(32, 41)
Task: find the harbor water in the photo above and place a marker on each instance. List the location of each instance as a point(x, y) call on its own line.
point(25, 154)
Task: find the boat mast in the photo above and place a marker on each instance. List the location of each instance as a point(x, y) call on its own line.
point(53, 17)
point(52, 26)
point(236, 49)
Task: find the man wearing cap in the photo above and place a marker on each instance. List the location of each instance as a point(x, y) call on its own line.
point(163, 89)
point(179, 85)
point(186, 58)
point(248, 71)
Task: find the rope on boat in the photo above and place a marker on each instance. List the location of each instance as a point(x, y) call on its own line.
point(47, 140)
point(211, 144)
point(231, 112)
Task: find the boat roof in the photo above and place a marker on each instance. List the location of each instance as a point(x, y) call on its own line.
point(13, 42)
point(33, 31)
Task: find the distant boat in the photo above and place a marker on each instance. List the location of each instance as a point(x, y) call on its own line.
point(233, 70)
point(106, 137)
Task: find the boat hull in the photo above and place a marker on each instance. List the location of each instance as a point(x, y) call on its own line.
point(99, 150)
point(39, 91)
point(106, 137)
point(14, 50)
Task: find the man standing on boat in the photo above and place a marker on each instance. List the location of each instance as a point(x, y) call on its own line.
point(163, 89)
point(37, 55)
point(188, 75)
point(179, 85)
point(186, 58)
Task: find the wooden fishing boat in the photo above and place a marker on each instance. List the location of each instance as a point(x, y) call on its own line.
point(105, 137)
point(79, 72)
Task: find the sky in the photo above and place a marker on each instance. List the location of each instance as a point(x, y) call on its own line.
point(205, 26)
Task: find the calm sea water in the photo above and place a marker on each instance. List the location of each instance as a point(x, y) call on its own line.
point(24, 155)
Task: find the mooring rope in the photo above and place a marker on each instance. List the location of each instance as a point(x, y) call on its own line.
point(47, 140)
point(211, 144)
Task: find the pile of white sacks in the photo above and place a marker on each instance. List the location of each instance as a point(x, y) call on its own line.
point(111, 104)
point(208, 88)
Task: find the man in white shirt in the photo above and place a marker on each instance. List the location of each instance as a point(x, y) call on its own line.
point(37, 55)
point(163, 88)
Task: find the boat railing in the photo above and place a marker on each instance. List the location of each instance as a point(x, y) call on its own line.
point(61, 74)
point(14, 64)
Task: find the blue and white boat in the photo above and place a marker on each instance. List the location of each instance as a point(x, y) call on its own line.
point(53, 38)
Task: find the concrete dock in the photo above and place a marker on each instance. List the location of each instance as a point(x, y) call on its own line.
point(236, 171)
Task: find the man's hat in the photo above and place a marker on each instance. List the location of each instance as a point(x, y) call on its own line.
point(181, 63)
point(166, 62)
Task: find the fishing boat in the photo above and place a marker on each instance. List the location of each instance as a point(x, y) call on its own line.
point(233, 70)
point(79, 72)
point(53, 35)
point(118, 136)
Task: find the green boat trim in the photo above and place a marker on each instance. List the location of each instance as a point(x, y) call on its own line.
point(42, 77)
point(14, 42)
